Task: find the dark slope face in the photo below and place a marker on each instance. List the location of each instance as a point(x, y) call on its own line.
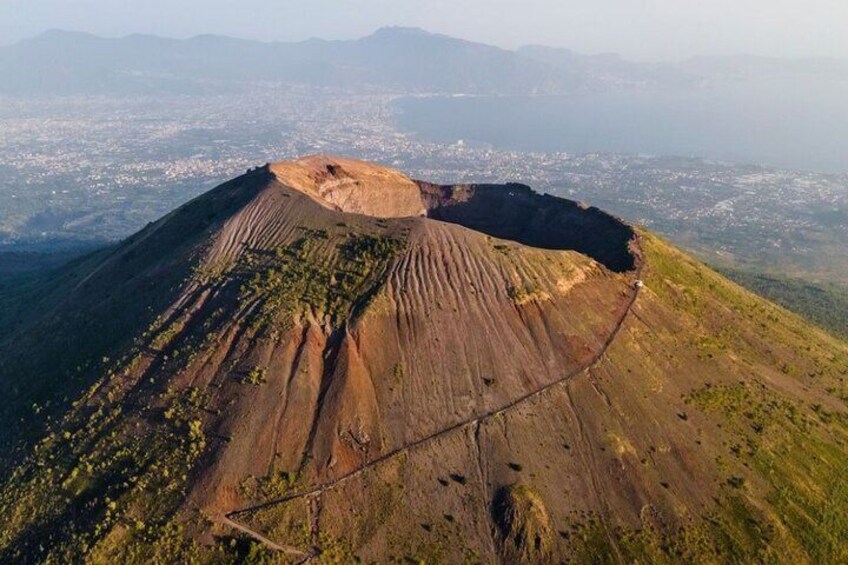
point(71, 324)
point(406, 387)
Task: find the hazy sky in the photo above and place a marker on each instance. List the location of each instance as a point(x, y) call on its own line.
point(642, 29)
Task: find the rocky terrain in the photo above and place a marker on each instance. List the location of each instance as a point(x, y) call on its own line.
point(324, 360)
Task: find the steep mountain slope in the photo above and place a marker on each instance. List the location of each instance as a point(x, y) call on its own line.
point(324, 360)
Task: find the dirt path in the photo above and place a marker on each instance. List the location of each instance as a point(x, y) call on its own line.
point(320, 489)
point(262, 539)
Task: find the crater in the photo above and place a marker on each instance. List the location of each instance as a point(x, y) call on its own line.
point(510, 211)
point(515, 212)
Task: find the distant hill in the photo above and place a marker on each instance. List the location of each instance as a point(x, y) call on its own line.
point(394, 58)
point(608, 70)
point(59, 62)
point(326, 360)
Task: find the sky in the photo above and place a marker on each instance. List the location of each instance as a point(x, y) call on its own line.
point(637, 29)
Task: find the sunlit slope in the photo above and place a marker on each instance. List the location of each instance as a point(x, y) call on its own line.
point(446, 382)
point(713, 430)
point(289, 341)
point(731, 414)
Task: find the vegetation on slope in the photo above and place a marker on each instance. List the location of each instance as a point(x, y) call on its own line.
point(113, 478)
point(72, 324)
point(822, 304)
point(782, 497)
point(330, 283)
point(108, 481)
point(525, 526)
point(762, 392)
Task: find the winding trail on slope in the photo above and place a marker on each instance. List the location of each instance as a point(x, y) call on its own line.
point(228, 519)
point(259, 537)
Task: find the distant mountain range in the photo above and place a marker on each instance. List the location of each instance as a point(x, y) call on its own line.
point(401, 59)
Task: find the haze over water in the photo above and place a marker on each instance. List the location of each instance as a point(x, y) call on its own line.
point(789, 124)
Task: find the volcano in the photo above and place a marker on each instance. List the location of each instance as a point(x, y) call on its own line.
point(325, 360)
